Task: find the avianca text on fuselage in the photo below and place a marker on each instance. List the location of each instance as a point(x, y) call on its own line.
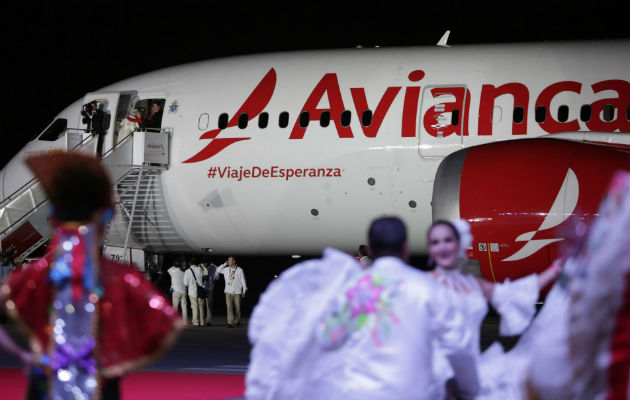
point(328, 86)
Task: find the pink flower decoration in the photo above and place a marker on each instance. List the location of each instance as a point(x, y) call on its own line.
point(364, 296)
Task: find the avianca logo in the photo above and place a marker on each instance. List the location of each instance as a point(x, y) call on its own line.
point(559, 212)
point(255, 103)
point(459, 99)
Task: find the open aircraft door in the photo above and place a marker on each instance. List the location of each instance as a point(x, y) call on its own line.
point(443, 121)
point(102, 127)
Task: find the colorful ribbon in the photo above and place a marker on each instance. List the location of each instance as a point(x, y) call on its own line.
point(73, 261)
point(65, 354)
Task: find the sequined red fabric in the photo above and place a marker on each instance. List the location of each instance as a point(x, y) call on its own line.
point(135, 322)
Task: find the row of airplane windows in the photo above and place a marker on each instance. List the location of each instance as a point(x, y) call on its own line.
point(366, 117)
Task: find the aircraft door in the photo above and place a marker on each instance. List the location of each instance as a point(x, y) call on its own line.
point(443, 119)
point(102, 121)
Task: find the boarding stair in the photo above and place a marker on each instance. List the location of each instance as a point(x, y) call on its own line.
point(139, 157)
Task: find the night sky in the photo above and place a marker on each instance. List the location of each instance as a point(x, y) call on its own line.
point(56, 53)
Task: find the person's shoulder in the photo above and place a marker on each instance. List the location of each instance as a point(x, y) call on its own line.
point(393, 263)
point(401, 269)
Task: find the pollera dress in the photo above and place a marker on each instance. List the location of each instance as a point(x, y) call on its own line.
point(501, 373)
point(580, 340)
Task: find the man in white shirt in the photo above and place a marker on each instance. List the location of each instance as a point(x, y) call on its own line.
point(369, 337)
point(193, 277)
point(178, 289)
point(235, 288)
point(209, 276)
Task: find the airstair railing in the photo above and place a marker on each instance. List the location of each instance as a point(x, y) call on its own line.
point(27, 199)
point(33, 180)
point(21, 207)
point(30, 197)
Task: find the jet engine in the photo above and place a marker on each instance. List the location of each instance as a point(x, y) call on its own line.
point(526, 200)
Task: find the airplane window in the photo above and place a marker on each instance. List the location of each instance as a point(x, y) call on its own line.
point(541, 114)
point(242, 121)
point(345, 118)
point(366, 118)
point(455, 117)
point(304, 119)
point(204, 119)
point(55, 130)
point(263, 120)
point(223, 121)
point(585, 113)
point(563, 113)
point(518, 115)
point(283, 120)
point(324, 119)
point(609, 112)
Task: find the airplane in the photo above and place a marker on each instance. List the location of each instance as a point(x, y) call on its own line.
point(287, 153)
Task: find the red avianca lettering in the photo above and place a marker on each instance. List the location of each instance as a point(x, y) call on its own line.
point(328, 87)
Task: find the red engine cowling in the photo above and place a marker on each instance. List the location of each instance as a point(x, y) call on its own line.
point(521, 195)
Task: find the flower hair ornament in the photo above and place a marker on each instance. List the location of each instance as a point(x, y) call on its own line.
point(465, 237)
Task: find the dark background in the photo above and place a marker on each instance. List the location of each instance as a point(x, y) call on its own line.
point(55, 52)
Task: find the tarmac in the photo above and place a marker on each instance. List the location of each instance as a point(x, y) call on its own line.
point(219, 349)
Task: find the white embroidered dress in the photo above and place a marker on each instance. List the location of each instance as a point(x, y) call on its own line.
point(580, 337)
point(501, 373)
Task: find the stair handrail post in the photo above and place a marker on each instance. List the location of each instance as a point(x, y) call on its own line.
point(30, 192)
point(133, 210)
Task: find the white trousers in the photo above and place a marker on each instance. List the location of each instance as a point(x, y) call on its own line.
point(181, 300)
point(233, 302)
point(198, 307)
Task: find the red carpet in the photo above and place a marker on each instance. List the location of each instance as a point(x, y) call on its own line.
point(148, 386)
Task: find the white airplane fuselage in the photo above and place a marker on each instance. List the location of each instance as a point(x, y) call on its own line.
point(295, 189)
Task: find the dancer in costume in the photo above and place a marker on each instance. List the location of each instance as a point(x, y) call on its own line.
point(89, 320)
point(501, 374)
point(581, 337)
point(326, 329)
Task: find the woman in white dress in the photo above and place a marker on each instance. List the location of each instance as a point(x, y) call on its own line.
point(515, 301)
point(129, 125)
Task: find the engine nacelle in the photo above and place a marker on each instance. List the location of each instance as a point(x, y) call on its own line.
point(521, 196)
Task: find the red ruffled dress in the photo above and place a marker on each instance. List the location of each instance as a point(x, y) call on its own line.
point(131, 321)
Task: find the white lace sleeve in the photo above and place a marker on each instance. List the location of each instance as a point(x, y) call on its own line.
point(515, 301)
